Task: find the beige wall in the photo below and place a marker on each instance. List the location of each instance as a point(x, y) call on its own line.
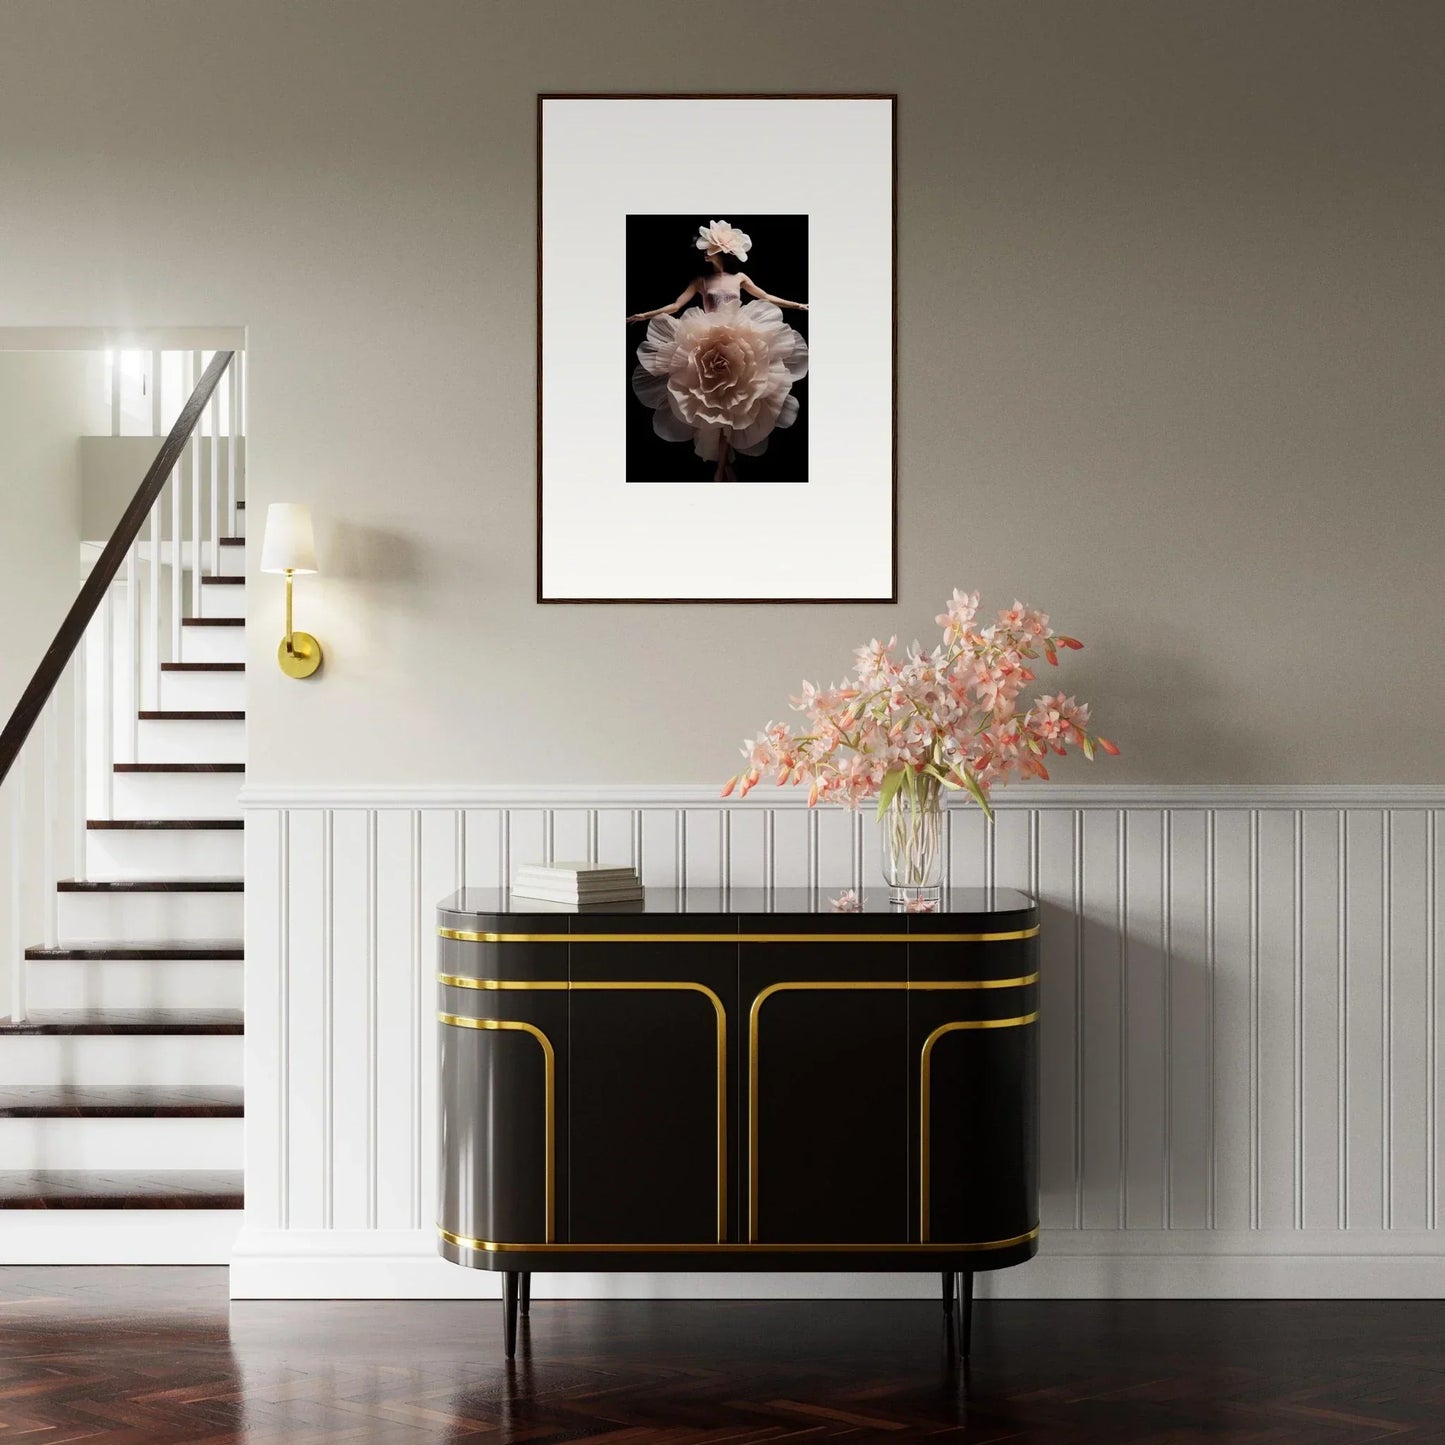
point(1170, 356)
point(42, 396)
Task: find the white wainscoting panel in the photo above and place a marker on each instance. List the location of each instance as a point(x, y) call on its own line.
point(1239, 1035)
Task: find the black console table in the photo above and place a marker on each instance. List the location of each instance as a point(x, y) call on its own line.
point(748, 1081)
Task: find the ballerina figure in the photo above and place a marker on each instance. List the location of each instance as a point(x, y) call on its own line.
point(721, 375)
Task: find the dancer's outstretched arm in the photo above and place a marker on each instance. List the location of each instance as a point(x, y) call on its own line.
point(668, 310)
point(753, 289)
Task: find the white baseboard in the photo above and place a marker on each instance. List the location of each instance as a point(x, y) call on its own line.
point(119, 1236)
point(1176, 1264)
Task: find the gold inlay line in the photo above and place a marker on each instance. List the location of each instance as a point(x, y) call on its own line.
point(906, 984)
point(925, 1101)
point(721, 1033)
point(461, 980)
point(462, 935)
point(488, 1246)
point(549, 1071)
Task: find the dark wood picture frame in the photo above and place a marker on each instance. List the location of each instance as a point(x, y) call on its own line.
point(892, 100)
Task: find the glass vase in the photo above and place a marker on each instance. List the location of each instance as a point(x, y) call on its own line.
point(913, 849)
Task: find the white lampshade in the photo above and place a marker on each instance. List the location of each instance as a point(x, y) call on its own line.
point(289, 545)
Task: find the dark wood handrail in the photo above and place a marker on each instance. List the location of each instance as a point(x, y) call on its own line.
point(93, 589)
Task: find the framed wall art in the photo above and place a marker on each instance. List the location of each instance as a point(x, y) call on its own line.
point(716, 352)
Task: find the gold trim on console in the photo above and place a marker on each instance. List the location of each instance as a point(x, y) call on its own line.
point(488, 1246)
point(460, 980)
point(549, 1067)
point(453, 980)
point(925, 1101)
point(462, 935)
point(906, 985)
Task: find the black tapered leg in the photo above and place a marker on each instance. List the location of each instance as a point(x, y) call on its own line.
point(509, 1311)
point(948, 1292)
point(965, 1306)
point(526, 1301)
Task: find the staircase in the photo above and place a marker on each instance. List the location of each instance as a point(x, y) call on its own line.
point(121, 1096)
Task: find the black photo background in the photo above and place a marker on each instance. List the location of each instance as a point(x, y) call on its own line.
point(662, 259)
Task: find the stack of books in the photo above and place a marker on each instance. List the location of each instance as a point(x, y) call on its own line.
point(577, 883)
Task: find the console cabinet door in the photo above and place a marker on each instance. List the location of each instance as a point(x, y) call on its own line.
point(973, 1044)
point(653, 1036)
point(502, 1017)
point(826, 1091)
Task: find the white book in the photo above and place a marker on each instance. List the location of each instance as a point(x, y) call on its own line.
point(582, 873)
point(562, 885)
point(561, 895)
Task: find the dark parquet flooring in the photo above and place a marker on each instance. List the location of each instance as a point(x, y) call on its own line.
point(140, 1355)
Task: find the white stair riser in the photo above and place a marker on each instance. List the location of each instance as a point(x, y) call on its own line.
point(222, 601)
point(119, 1236)
point(162, 917)
point(150, 1059)
point(232, 561)
point(213, 644)
point(135, 983)
point(204, 691)
point(164, 853)
point(186, 740)
point(177, 795)
point(70, 1143)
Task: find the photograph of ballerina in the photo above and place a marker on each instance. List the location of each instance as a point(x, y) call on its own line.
point(717, 372)
point(717, 380)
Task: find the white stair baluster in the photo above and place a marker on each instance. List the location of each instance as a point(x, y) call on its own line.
point(178, 488)
point(132, 652)
point(243, 372)
point(153, 630)
point(234, 379)
point(195, 444)
point(213, 409)
point(17, 889)
point(117, 365)
point(107, 707)
point(82, 802)
point(50, 806)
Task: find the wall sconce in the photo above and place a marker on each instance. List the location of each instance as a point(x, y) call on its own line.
point(290, 547)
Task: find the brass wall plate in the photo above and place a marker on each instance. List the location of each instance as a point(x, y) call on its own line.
point(302, 658)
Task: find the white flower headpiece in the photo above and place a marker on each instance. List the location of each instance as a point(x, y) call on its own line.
point(719, 236)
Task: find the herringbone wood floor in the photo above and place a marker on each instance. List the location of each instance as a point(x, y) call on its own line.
point(141, 1355)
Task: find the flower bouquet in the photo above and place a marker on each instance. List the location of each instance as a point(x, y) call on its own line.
point(902, 731)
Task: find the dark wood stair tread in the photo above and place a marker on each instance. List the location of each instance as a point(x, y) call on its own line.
point(121, 1101)
point(223, 581)
point(122, 1189)
point(179, 767)
point(150, 885)
point(213, 621)
point(203, 667)
point(129, 1021)
point(184, 825)
point(232, 541)
point(171, 714)
point(206, 950)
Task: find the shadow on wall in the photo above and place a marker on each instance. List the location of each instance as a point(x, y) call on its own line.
point(372, 591)
point(1188, 688)
point(1127, 1073)
point(378, 557)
